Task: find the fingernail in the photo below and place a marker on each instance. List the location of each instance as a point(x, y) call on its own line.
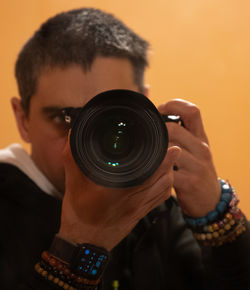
point(177, 152)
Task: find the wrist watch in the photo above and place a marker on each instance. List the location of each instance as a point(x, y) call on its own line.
point(85, 260)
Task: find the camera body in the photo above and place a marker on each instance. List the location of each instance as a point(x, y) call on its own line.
point(118, 139)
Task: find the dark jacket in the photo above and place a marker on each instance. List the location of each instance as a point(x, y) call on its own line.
point(160, 253)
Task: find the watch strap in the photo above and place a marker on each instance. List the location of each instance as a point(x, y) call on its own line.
point(62, 249)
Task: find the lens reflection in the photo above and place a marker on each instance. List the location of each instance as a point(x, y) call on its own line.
point(116, 140)
point(113, 164)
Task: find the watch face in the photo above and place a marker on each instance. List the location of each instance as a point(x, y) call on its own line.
point(90, 261)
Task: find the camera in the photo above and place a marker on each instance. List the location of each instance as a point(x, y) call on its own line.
point(118, 139)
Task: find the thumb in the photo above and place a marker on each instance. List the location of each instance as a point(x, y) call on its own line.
point(172, 156)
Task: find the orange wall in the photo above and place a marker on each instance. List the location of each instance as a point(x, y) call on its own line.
point(200, 51)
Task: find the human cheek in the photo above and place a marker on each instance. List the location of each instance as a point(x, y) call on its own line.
point(54, 164)
point(55, 152)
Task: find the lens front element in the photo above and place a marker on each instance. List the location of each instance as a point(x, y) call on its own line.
point(119, 139)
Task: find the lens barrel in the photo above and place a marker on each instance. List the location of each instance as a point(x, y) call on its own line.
point(118, 139)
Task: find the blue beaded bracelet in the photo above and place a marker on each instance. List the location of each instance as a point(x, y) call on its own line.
point(226, 197)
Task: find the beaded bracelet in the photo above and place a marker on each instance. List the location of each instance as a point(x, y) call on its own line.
point(216, 239)
point(60, 267)
point(219, 228)
point(227, 194)
point(224, 229)
point(67, 286)
point(58, 272)
point(233, 213)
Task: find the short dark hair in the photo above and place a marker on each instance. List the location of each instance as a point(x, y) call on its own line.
point(77, 37)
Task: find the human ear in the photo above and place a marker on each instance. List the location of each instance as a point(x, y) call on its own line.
point(21, 119)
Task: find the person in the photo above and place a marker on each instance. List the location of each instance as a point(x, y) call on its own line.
point(56, 221)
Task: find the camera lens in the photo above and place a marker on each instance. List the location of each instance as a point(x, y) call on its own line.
point(118, 139)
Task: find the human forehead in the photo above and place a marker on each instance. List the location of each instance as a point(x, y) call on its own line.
point(72, 86)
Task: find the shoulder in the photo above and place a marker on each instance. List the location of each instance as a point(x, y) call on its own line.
point(12, 178)
point(17, 188)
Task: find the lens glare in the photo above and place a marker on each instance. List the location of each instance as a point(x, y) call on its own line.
point(115, 140)
point(118, 142)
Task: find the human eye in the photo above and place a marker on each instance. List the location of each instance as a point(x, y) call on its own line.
point(58, 118)
point(58, 121)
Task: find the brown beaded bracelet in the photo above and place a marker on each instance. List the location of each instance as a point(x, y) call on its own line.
point(224, 231)
point(215, 230)
point(57, 281)
point(58, 272)
point(46, 275)
point(228, 238)
point(215, 233)
point(61, 269)
point(227, 222)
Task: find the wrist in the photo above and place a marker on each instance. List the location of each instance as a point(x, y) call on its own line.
point(67, 263)
point(85, 260)
point(223, 225)
point(89, 235)
point(226, 195)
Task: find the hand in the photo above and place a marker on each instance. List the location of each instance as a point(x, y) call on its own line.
point(104, 216)
point(195, 182)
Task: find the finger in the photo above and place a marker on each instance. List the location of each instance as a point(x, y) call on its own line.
point(159, 192)
point(181, 137)
point(166, 166)
point(171, 157)
point(187, 163)
point(160, 185)
point(189, 113)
